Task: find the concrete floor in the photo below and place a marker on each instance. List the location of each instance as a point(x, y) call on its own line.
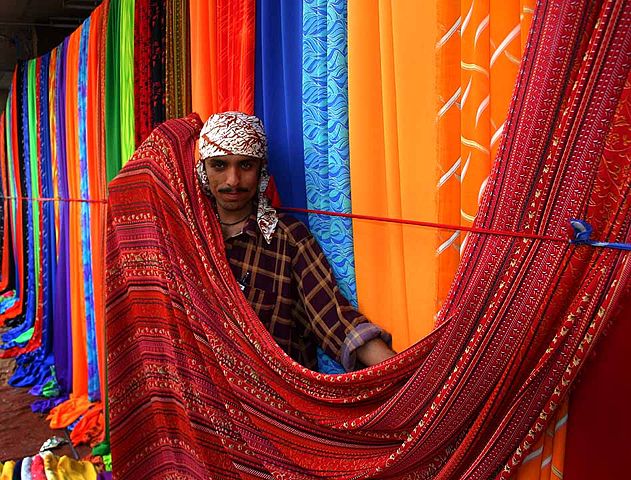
point(23, 432)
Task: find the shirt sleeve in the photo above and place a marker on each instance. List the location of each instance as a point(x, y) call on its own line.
point(338, 326)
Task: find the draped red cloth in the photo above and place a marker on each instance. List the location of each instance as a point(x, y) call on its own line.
point(199, 390)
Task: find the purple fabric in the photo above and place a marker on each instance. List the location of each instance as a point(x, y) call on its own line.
point(45, 406)
point(62, 341)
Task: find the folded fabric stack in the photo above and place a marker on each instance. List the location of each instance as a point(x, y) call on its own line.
point(48, 466)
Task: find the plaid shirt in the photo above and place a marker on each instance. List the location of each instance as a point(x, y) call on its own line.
point(291, 287)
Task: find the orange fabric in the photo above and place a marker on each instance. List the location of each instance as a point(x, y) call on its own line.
point(393, 173)
point(449, 93)
point(52, 118)
point(90, 429)
point(484, 41)
point(222, 55)
point(65, 413)
point(475, 128)
point(426, 111)
point(487, 52)
point(96, 165)
point(78, 317)
point(545, 462)
point(203, 52)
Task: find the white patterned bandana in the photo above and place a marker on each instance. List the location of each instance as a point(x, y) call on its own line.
point(236, 133)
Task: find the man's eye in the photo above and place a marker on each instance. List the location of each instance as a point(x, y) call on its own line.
point(217, 165)
point(246, 165)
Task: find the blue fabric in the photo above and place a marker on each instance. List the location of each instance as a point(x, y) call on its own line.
point(278, 94)
point(583, 233)
point(62, 334)
point(47, 210)
point(32, 369)
point(326, 364)
point(325, 126)
point(93, 364)
point(35, 368)
point(46, 405)
point(28, 294)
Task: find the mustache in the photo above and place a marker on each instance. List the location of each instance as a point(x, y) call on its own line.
point(233, 190)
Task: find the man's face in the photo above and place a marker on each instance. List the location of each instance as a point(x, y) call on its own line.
point(233, 180)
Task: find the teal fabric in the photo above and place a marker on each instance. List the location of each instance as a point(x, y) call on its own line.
point(325, 126)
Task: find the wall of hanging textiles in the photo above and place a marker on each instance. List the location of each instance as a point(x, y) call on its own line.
point(393, 109)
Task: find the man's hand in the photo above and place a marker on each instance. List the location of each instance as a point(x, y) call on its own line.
point(373, 352)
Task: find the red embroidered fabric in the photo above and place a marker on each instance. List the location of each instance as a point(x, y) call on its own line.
point(142, 70)
point(199, 390)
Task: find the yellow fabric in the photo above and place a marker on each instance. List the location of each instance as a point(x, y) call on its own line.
point(7, 470)
point(70, 469)
point(393, 161)
point(50, 466)
point(65, 468)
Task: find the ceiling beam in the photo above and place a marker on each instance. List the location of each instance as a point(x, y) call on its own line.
point(57, 23)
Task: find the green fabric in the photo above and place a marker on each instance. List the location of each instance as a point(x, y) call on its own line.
point(101, 449)
point(11, 179)
point(112, 94)
point(126, 49)
point(33, 145)
point(26, 336)
point(51, 389)
point(107, 461)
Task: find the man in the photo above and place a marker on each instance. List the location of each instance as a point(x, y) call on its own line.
point(279, 265)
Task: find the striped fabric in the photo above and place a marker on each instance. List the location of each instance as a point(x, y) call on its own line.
point(84, 193)
point(53, 107)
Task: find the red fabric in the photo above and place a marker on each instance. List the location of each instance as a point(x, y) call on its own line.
point(222, 55)
point(272, 193)
point(142, 71)
point(17, 244)
point(199, 390)
point(600, 418)
point(4, 229)
point(37, 468)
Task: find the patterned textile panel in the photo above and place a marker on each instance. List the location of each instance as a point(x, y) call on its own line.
point(199, 389)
